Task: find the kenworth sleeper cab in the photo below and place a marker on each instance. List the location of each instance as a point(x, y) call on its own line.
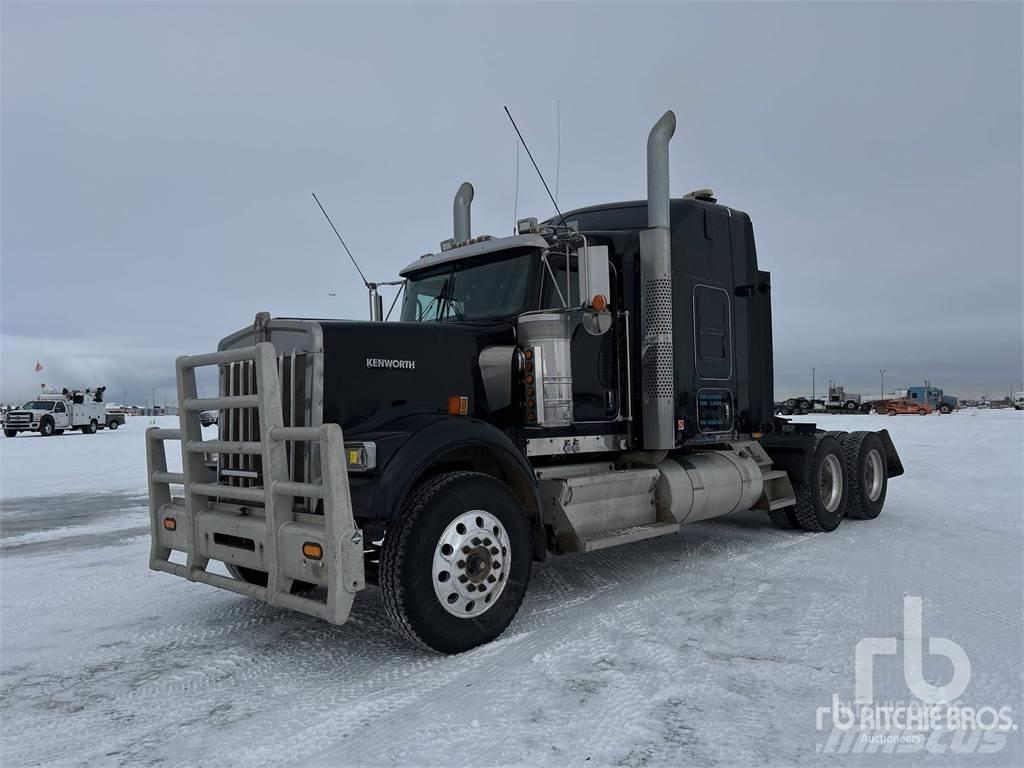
point(596, 379)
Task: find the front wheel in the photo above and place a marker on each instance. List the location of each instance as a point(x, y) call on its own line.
point(455, 563)
point(10, 433)
point(922, 412)
point(891, 412)
point(851, 406)
point(113, 425)
point(46, 428)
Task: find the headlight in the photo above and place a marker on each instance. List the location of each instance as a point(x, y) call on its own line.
point(360, 457)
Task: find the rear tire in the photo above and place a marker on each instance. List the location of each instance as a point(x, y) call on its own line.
point(444, 586)
point(866, 471)
point(922, 412)
point(821, 501)
point(784, 518)
point(90, 428)
point(113, 425)
point(891, 412)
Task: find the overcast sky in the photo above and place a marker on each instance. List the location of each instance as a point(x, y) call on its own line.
point(158, 160)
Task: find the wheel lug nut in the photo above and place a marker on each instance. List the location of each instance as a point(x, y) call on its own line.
point(476, 541)
point(494, 550)
point(471, 587)
point(463, 579)
point(491, 579)
point(461, 564)
point(465, 550)
point(487, 542)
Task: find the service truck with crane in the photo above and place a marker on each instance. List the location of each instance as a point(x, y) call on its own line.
point(597, 379)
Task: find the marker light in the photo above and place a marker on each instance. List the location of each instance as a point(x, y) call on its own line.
point(170, 524)
point(458, 405)
point(598, 303)
point(312, 550)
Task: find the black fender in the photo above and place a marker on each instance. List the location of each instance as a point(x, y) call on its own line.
point(453, 441)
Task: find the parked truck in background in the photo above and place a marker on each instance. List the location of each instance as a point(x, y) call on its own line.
point(934, 397)
point(597, 379)
point(837, 400)
point(55, 412)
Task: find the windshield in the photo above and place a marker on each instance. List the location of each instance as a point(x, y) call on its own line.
point(38, 405)
point(469, 290)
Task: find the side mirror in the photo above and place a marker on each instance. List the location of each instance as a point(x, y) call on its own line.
point(595, 288)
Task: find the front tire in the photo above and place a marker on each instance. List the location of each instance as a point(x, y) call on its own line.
point(456, 562)
point(821, 501)
point(866, 471)
point(10, 433)
point(46, 428)
point(113, 424)
point(851, 406)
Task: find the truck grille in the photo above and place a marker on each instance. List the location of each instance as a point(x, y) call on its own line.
point(242, 424)
point(19, 419)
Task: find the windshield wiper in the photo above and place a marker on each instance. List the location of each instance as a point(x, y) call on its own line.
point(440, 295)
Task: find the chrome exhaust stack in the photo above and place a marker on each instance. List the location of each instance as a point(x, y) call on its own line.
point(463, 200)
point(656, 294)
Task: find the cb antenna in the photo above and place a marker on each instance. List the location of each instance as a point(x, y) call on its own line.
point(541, 175)
point(342, 241)
point(376, 301)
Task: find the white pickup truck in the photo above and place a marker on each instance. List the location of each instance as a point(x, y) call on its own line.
point(52, 414)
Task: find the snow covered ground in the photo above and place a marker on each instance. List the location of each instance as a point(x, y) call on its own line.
point(713, 647)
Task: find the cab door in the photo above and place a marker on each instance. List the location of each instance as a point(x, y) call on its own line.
point(60, 416)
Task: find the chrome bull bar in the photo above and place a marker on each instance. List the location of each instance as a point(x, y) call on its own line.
point(272, 536)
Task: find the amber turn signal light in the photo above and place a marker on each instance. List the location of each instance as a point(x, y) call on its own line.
point(312, 550)
point(170, 524)
point(458, 405)
point(598, 303)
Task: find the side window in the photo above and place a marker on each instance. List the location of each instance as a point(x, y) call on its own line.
point(59, 408)
point(552, 291)
point(712, 327)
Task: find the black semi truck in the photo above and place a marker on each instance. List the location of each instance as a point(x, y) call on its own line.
point(597, 379)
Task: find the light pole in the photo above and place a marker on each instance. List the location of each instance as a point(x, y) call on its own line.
point(881, 393)
point(812, 384)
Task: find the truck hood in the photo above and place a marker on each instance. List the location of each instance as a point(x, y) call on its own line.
point(375, 373)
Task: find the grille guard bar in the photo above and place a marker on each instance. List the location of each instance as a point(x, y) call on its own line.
point(208, 523)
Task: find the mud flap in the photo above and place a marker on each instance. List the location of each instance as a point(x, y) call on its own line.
point(893, 465)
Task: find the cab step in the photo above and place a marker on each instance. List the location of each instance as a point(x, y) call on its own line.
point(627, 535)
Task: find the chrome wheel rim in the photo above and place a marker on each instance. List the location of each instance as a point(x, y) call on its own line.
point(831, 483)
point(873, 474)
point(470, 566)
